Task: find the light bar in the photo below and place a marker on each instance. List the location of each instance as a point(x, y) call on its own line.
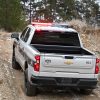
point(41, 24)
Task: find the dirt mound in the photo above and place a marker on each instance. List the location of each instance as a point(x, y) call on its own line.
point(90, 36)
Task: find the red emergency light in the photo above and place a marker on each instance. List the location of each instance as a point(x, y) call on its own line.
point(41, 24)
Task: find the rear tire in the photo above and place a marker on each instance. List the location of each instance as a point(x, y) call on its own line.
point(30, 89)
point(86, 91)
point(15, 64)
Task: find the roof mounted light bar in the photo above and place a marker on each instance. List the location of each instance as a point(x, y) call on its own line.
point(61, 25)
point(41, 24)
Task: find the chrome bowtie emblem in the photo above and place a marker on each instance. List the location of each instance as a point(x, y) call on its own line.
point(68, 62)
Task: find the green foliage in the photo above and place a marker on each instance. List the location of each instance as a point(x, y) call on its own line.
point(50, 10)
point(65, 9)
point(87, 10)
point(10, 15)
point(62, 10)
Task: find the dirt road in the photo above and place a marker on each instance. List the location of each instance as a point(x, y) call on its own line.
point(11, 81)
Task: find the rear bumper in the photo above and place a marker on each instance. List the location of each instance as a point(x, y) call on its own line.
point(64, 82)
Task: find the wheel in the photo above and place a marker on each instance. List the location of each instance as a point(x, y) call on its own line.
point(15, 64)
point(86, 91)
point(30, 89)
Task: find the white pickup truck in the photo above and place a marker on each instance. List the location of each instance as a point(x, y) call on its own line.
point(53, 56)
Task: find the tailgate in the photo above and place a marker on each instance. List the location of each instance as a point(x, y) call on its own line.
point(67, 63)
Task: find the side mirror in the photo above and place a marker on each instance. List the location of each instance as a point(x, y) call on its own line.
point(15, 35)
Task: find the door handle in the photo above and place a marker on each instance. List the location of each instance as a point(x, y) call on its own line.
point(69, 57)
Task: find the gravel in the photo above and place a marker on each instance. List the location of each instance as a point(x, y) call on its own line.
point(11, 81)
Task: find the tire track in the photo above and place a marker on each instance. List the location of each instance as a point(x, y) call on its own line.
point(9, 78)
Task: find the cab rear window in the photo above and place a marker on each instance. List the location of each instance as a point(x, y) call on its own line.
point(55, 38)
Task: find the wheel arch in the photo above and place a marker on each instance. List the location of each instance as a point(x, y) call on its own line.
point(26, 65)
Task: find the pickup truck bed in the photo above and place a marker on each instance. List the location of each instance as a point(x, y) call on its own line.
point(64, 59)
point(61, 49)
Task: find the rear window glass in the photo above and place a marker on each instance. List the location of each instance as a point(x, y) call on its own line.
point(56, 38)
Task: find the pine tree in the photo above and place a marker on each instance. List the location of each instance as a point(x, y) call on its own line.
point(10, 15)
point(50, 10)
point(87, 10)
point(44, 11)
point(62, 10)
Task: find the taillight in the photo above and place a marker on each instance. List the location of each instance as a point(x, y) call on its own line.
point(97, 67)
point(37, 63)
point(38, 30)
point(97, 60)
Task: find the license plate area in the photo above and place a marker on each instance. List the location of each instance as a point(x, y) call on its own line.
point(64, 81)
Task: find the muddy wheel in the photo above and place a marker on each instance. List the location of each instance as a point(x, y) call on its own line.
point(30, 89)
point(15, 64)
